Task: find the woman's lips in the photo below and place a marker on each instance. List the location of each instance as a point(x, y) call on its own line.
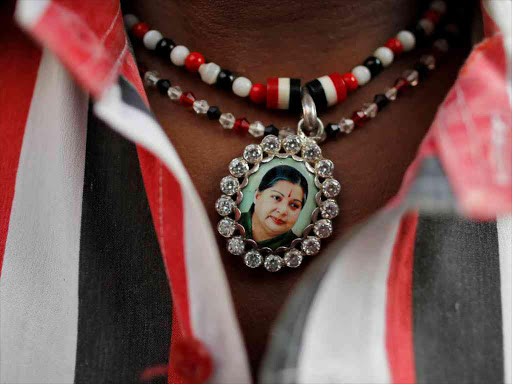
point(277, 221)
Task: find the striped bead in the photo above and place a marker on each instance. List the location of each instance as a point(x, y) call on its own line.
point(327, 90)
point(283, 93)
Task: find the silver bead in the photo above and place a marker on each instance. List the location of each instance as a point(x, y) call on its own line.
point(229, 185)
point(391, 94)
point(253, 259)
point(429, 61)
point(273, 263)
point(329, 209)
point(346, 125)
point(200, 107)
point(311, 151)
point(174, 93)
point(331, 188)
point(253, 153)
point(292, 144)
point(324, 168)
point(323, 228)
point(238, 167)
point(293, 258)
point(411, 75)
point(226, 227)
point(370, 110)
point(311, 245)
point(227, 120)
point(151, 78)
point(257, 129)
point(224, 205)
point(271, 144)
point(236, 245)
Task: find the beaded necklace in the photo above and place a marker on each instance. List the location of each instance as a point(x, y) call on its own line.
point(285, 93)
point(279, 199)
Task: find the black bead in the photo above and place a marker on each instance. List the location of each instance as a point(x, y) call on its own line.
point(163, 85)
point(164, 48)
point(332, 130)
point(213, 113)
point(419, 33)
point(316, 90)
point(271, 130)
point(381, 100)
point(295, 103)
point(225, 79)
point(374, 65)
point(422, 70)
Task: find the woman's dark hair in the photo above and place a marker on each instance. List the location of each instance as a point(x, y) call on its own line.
point(286, 173)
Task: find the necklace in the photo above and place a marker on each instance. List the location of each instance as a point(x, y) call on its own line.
point(285, 93)
point(279, 199)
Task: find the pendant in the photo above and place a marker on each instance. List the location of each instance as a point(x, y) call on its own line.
point(278, 201)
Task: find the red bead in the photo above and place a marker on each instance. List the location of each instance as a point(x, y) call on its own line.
point(359, 118)
point(395, 45)
point(187, 99)
point(193, 61)
point(350, 81)
point(340, 86)
point(241, 125)
point(258, 93)
point(401, 84)
point(433, 16)
point(139, 30)
point(191, 361)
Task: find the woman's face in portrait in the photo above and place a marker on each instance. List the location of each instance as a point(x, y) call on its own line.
point(277, 208)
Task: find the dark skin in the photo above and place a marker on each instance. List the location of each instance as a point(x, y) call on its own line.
point(260, 39)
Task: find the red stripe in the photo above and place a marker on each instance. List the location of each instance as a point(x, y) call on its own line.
point(166, 203)
point(90, 41)
point(339, 84)
point(273, 93)
point(490, 26)
point(20, 63)
point(399, 331)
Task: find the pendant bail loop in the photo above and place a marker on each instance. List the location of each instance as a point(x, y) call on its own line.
point(310, 121)
point(309, 113)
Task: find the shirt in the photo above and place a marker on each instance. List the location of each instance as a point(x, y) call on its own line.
point(103, 278)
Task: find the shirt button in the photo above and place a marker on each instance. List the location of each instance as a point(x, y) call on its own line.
point(192, 361)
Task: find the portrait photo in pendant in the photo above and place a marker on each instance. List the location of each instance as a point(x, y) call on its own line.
point(278, 202)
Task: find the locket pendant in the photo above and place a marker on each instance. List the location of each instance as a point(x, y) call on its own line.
point(278, 202)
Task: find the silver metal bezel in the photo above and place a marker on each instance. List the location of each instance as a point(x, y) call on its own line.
point(315, 216)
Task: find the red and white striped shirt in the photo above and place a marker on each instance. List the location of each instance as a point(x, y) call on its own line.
point(103, 280)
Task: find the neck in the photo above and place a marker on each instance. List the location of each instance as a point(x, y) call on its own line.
point(286, 38)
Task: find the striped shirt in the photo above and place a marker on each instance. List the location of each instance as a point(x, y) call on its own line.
point(103, 280)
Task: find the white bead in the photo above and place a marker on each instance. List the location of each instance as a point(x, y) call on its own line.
point(130, 20)
point(385, 55)
point(407, 39)
point(242, 86)
point(329, 89)
point(439, 6)
point(151, 38)
point(362, 75)
point(179, 54)
point(427, 26)
point(209, 72)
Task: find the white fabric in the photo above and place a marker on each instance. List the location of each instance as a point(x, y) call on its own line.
point(505, 247)
point(213, 321)
point(345, 342)
point(39, 285)
point(28, 12)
